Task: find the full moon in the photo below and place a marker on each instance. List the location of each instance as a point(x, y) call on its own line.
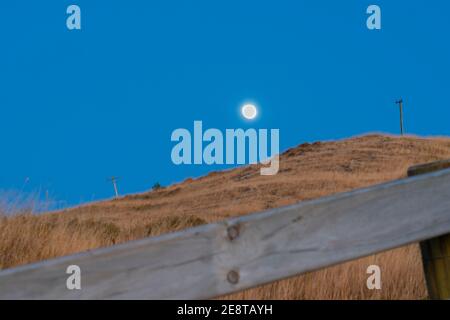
point(249, 111)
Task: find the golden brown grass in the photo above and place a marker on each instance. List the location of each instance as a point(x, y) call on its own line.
point(306, 172)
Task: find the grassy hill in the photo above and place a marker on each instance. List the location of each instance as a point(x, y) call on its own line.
point(306, 172)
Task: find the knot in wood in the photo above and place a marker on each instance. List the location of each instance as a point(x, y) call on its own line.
point(233, 277)
point(233, 232)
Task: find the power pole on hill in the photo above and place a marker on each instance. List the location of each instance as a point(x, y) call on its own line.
point(400, 104)
point(114, 182)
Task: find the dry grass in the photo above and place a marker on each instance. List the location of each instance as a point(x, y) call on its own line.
point(307, 171)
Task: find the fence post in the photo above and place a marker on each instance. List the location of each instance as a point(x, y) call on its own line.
point(436, 251)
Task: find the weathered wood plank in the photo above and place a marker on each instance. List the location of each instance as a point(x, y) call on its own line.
point(225, 257)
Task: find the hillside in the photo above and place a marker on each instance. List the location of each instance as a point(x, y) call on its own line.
point(306, 172)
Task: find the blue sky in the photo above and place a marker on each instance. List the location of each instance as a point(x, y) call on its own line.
point(79, 106)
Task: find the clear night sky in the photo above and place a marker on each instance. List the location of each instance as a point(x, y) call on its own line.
point(80, 106)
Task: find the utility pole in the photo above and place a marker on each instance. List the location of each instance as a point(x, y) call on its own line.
point(400, 104)
point(114, 182)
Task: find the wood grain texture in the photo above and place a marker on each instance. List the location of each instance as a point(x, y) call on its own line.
point(436, 263)
point(239, 253)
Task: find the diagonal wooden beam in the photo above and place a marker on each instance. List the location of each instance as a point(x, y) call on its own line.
point(244, 252)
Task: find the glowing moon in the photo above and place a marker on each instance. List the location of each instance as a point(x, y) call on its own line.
point(249, 111)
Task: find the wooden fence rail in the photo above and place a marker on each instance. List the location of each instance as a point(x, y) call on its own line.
point(244, 252)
